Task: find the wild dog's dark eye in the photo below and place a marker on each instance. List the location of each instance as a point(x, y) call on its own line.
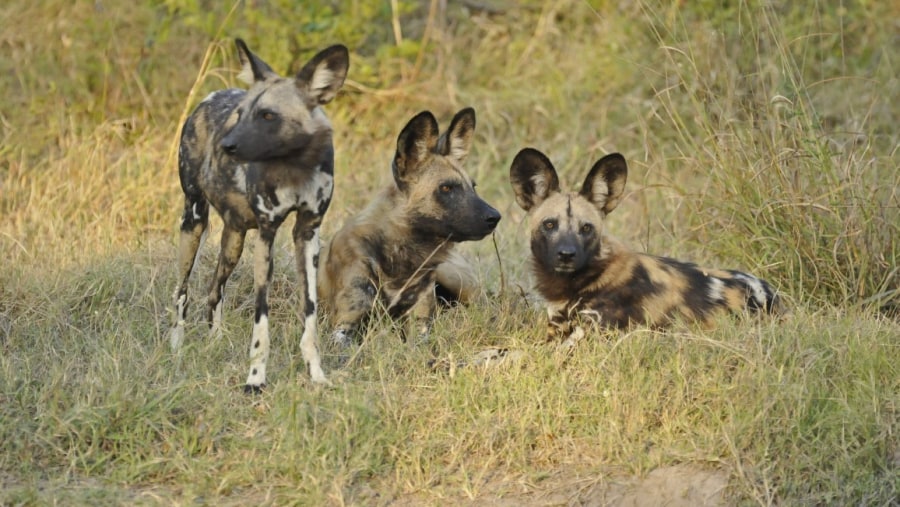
point(445, 189)
point(549, 225)
point(587, 228)
point(268, 115)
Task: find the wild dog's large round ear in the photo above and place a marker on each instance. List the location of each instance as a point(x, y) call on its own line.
point(414, 144)
point(533, 178)
point(455, 142)
point(605, 183)
point(325, 73)
point(253, 68)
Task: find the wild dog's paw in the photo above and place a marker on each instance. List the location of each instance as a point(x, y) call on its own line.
point(560, 330)
point(318, 377)
point(486, 358)
point(572, 340)
point(176, 337)
point(341, 338)
point(254, 389)
point(423, 333)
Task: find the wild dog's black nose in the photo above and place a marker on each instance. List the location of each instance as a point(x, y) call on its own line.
point(566, 253)
point(229, 147)
point(492, 217)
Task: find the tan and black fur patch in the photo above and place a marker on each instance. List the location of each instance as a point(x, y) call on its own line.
point(583, 273)
point(399, 249)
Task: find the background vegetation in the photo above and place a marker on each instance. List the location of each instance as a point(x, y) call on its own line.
point(760, 135)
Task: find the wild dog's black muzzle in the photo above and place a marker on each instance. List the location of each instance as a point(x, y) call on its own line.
point(229, 143)
point(566, 254)
point(490, 217)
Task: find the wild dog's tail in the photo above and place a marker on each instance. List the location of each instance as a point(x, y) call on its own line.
point(761, 297)
point(455, 280)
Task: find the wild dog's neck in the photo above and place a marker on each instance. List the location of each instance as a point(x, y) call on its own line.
point(388, 214)
point(319, 151)
point(392, 207)
point(404, 258)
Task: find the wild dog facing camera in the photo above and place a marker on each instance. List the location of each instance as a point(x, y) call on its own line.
point(583, 272)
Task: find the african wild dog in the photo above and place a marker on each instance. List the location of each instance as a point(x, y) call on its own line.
point(257, 156)
point(398, 248)
point(582, 271)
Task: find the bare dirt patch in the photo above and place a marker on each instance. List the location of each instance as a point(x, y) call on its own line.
point(685, 485)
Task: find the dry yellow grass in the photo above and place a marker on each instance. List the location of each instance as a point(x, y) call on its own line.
point(759, 136)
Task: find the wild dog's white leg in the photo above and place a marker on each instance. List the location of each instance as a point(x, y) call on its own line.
point(176, 334)
point(262, 275)
point(259, 354)
point(307, 252)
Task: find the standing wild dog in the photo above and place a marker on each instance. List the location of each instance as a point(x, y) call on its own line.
point(399, 248)
point(257, 156)
point(580, 270)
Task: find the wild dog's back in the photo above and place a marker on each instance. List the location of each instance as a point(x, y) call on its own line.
point(200, 132)
point(639, 288)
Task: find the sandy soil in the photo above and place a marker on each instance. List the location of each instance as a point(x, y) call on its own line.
point(674, 486)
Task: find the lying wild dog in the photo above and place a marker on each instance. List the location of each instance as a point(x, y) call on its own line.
point(257, 156)
point(398, 250)
point(581, 271)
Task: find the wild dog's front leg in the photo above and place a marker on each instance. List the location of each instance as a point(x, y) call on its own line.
point(414, 305)
point(422, 314)
point(262, 276)
point(352, 303)
point(307, 246)
point(561, 327)
point(193, 227)
point(229, 255)
point(559, 324)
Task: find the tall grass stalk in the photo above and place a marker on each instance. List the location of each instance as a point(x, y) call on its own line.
point(779, 190)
